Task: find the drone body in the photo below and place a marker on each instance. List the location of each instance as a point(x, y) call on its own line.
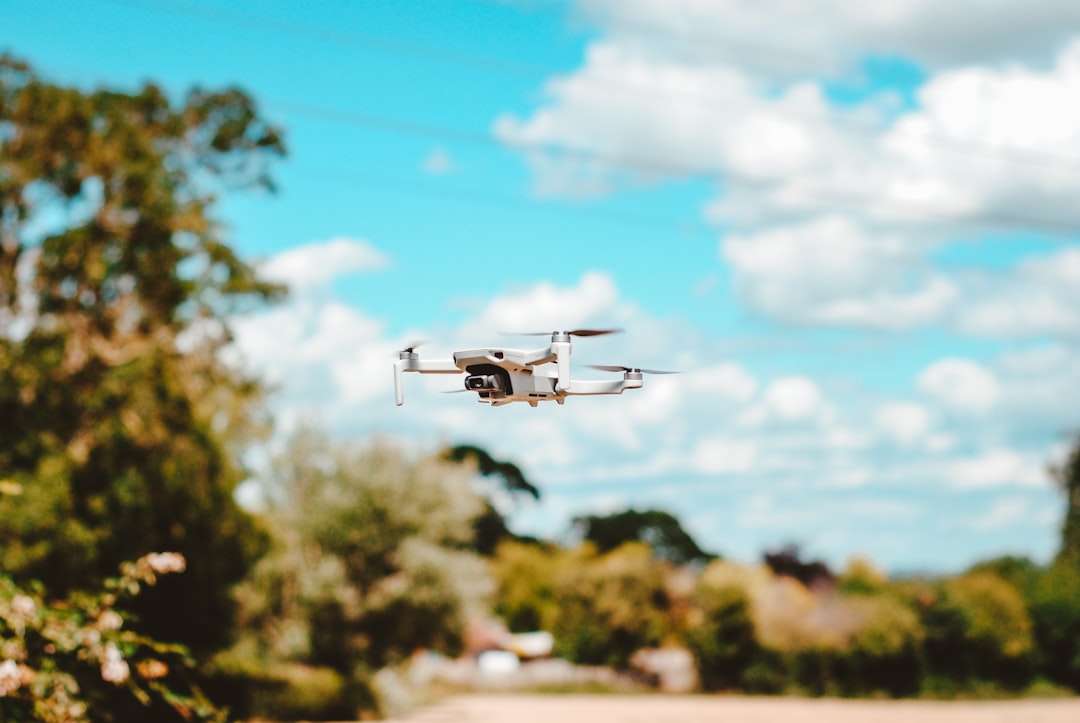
point(501, 376)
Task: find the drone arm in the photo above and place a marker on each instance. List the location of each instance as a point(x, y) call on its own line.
point(584, 387)
point(423, 366)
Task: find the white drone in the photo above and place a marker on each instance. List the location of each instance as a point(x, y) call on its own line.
point(502, 376)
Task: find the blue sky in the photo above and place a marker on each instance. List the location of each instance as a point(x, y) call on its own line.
point(851, 226)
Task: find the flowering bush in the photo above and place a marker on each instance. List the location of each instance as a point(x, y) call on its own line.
point(73, 660)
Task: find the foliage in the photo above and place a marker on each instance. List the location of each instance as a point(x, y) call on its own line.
point(525, 596)
point(489, 526)
point(600, 608)
point(660, 530)
point(74, 660)
point(723, 638)
point(977, 628)
point(1055, 613)
point(884, 651)
point(512, 476)
point(788, 562)
point(369, 564)
point(610, 605)
point(1068, 476)
point(119, 424)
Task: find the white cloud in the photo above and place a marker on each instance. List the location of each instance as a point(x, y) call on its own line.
point(729, 381)
point(829, 270)
point(719, 455)
point(831, 213)
point(1040, 296)
point(317, 264)
point(547, 307)
point(995, 468)
point(783, 37)
point(961, 384)
point(793, 399)
point(905, 422)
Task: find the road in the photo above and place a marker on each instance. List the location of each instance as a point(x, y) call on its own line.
point(485, 708)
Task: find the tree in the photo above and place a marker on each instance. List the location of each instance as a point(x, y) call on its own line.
point(660, 530)
point(370, 563)
point(610, 606)
point(119, 424)
point(1068, 476)
point(490, 527)
point(788, 562)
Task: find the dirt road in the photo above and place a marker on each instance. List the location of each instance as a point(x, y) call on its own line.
point(725, 709)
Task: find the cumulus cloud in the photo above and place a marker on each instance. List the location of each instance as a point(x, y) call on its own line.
point(997, 467)
point(319, 263)
point(547, 307)
point(781, 37)
point(832, 213)
point(904, 422)
point(831, 271)
point(961, 384)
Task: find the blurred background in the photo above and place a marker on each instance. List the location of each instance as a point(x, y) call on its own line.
point(851, 227)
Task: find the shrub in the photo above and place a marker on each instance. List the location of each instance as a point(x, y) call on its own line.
point(74, 659)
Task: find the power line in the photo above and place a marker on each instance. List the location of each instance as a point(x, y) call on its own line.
point(501, 200)
point(914, 211)
point(711, 102)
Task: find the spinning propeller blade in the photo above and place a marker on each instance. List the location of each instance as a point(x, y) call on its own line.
point(615, 368)
point(574, 332)
point(414, 345)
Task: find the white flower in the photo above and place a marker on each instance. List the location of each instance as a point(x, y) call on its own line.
point(114, 669)
point(110, 620)
point(10, 677)
point(166, 562)
point(23, 606)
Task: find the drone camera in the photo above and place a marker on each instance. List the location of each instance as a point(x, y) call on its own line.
point(482, 382)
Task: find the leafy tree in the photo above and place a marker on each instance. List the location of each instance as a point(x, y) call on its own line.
point(724, 639)
point(884, 651)
point(1055, 614)
point(977, 628)
point(1068, 476)
point(490, 526)
point(788, 562)
point(610, 606)
point(370, 563)
point(119, 424)
point(660, 530)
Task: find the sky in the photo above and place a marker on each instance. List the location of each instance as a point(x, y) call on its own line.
point(851, 226)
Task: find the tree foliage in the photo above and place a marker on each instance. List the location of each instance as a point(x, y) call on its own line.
point(661, 531)
point(370, 563)
point(73, 660)
point(118, 422)
point(1068, 476)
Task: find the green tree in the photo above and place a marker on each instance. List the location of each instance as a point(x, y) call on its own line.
point(1068, 476)
point(490, 527)
point(370, 563)
point(115, 408)
point(977, 627)
point(660, 530)
point(610, 606)
point(723, 638)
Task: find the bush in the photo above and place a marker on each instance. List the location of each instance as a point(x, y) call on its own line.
point(610, 606)
point(724, 641)
point(73, 659)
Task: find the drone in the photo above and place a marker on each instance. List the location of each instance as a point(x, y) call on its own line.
point(501, 376)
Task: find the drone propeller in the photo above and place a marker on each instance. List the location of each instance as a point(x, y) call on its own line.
point(615, 368)
point(414, 345)
point(573, 332)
